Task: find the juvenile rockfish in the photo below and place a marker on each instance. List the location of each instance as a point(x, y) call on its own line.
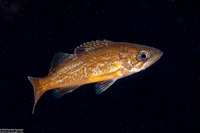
point(97, 61)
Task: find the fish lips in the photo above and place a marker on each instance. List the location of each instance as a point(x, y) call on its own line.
point(155, 59)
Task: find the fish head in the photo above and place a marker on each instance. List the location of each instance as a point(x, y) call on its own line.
point(141, 58)
point(144, 57)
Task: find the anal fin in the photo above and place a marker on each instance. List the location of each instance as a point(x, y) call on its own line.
point(57, 93)
point(104, 85)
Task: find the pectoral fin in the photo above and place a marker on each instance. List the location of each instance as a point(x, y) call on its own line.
point(104, 85)
point(62, 91)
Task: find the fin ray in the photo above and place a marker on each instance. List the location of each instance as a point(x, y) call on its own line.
point(57, 93)
point(104, 85)
point(90, 45)
point(38, 91)
point(58, 58)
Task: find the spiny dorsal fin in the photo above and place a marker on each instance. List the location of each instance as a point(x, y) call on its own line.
point(58, 58)
point(90, 45)
point(63, 90)
point(104, 85)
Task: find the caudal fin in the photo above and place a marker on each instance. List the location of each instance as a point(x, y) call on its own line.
point(38, 90)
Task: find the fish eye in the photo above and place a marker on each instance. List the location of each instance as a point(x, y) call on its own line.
point(143, 56)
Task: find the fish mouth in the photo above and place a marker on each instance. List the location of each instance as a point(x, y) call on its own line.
point(154, 59)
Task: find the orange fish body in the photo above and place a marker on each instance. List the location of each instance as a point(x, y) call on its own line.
point(97, 61)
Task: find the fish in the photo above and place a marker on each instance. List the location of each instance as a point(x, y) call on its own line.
point(102, 62)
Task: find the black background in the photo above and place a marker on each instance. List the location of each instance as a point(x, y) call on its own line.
point(164, 98)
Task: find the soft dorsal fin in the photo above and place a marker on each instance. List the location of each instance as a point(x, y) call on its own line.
point(104, 85)
point(57, 93)
point(90, 45)
point(58, 58)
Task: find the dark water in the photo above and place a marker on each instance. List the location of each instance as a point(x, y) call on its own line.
point(164, 98)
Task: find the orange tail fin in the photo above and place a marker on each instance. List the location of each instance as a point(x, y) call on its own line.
point(38, 90)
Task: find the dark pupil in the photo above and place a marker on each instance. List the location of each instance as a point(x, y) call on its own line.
point(143, 56)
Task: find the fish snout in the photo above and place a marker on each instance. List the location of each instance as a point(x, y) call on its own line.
point(155, 58)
